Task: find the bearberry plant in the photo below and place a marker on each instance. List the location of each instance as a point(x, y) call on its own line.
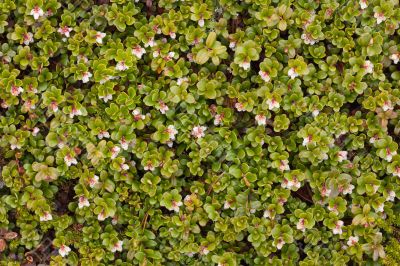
point(199, 132)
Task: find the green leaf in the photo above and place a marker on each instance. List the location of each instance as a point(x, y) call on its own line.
point(235, 171)
point(202, 57)
point(211, 39)
point(211, 93)
point(52, 139)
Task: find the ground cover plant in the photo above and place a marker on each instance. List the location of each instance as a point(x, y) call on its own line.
point(246, 132)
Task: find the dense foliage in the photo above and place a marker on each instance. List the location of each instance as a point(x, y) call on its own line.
point(229, 132)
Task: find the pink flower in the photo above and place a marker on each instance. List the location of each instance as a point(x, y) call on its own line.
point(363, 4)
point(390, 154)
point(156, 29)
point(65, 30)
point(121, 66)
point(137, 115)
point(93, 181)
point(292, 73)
point(286, 183)
point(296, 183)
point(150, 42)
point(28, 105)
point(280, 243)
point(272, 104)
point(348, 190)
point(325, 191)
point(352, 241)
point(391, 195)
point(15, 146)
point(387, 105)
point(240, 107)
point(201, 22)
point(218, 119)
point(290, 184)
point(333, 209)
point(395, 57)
point(170, 56)
point(124, 143)
point(103, 134)
point(86, 76)
point(163, 107)
point(342, 155)
point(69, 160)
point(267, 214)
point(75, 112)
point(204, 250)
point(307, 140)
point(106, 98)
point(368, 66)
point(117, 246)
point(64, 250)
point(60, 144)
point(46, 217)
point(264, 75)
point(83, 202)
point(176, 205)
point(28, 38)
point(227, 205)
point(138, 51)
point(54, 106)
point(171, 132)
point(101, 216)
point(32, 89)
point(115, 151)
point(35, 131)
point(156, 53)
point(373, 139)
point(261, 120)
point(82, 58)
point(180, 81)
point(301, 225)
point(4, 105)
point(198, 131)
point(99, 37)
point(308, 39)
point(188, 199)
point(36, 12)
point(15, 91)
point(124, 166)
point(245, 64)
point(149, 166)
point(380, 17)
point(338, 228)
point(380, 207)
point(284, 165)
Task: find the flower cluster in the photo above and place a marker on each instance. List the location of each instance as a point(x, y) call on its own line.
point(199, 132)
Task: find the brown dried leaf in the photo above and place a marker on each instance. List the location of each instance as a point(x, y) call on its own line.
point(3, 245)
point(10, 235)
point(29, 258)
